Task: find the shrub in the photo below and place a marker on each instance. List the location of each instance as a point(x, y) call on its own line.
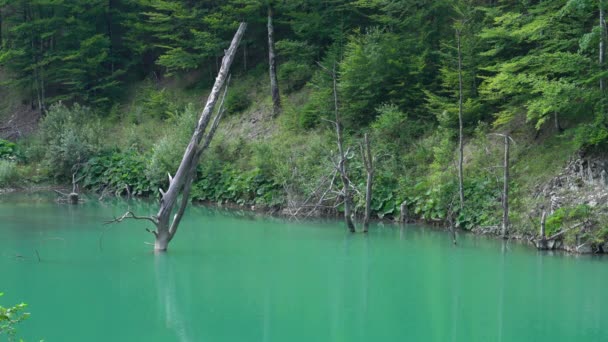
point(8, 150)
point(8, 172)
point(375, 69)
point(236, 186)
point(68, 137)
point(168, 151)
point(117, 172)
point(392, 127)
point(297, 68)
point(153, 103)
point(563, 216)
point(237, 101)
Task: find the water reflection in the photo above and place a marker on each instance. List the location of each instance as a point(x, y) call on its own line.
point(501, 288)
point(167, 297)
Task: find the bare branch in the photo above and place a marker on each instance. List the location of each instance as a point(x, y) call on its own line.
point(131, 215)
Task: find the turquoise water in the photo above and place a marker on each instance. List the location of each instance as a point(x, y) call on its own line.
point(237, 277)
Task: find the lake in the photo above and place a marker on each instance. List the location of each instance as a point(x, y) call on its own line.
point(233, 276)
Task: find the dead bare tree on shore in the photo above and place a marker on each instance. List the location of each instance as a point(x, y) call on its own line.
point(272, 62)
point(368, 162)
point(181, 183)
point(342, 157)
point(460, 125)
point(505, 191)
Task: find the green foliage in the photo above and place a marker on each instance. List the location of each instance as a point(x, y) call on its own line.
point(120, 173)
point(9, 174)
point(168, 151)
point(540, 64)
point(69, 137)
point(297, 68)
point(393, 127)
point(523, 65)
point(234, 186)
point(374, 70)
point(8, 150)
point(237, 100)
point(55, 52)
point(10, 317)
point(565, 216)
point(153, 103)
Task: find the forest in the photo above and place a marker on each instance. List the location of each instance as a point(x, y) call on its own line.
point(427, 98)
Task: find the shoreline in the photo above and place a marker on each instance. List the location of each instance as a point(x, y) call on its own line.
point(280, 212)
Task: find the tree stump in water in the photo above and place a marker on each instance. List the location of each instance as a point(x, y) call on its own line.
point(403, 217)
point(541, 243)
point(73, 198)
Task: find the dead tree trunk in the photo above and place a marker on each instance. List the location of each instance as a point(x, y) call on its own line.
point(558, 127)
point(1, 36)
point(602, 47)
point(342, 166)
point(403, 216)
point(542, 241)
point(274, 84)
point(368, 161)
point(505, 196)
point(182, 181)
point(460, 137)
point(505, 190)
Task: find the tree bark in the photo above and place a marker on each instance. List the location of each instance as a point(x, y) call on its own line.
point(602, 47)
point(403, 217)
point(542, 242)
point(460, 135)
point(558, 127)
point(109, 23)
point(274, 84)
point(543, 221)
point(1, 37)
point(343, 163)
point(368, 161)
point(165, 228)
point(505, 196)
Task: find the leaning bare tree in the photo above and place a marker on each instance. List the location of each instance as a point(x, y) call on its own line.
point(602, 47)
point(182, 181)
point(341, 166)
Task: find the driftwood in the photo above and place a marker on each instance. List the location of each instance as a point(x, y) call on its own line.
point(181, 183)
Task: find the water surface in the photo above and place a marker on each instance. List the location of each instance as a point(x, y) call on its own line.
point(236, 277)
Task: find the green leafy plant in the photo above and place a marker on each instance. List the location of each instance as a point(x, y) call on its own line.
point(8, 150)
point(564, 216)
point(117, 172)
point(10, 317)
point(68, 137)
point(8, 172)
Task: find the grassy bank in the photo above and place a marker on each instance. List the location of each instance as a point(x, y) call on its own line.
point(285, 164)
